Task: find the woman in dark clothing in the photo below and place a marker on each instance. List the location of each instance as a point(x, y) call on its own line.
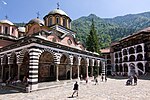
point(75, 88)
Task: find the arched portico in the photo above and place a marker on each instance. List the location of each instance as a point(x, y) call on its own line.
point(82, 68)
point(75, 67)
point(64, 67)
point(13, 67)
point(47, 70)
point(5, 68)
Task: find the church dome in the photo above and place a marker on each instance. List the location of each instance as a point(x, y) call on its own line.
point(57, 11)
point(6, 22)
point(36, 20)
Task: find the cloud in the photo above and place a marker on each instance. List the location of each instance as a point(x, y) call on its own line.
point(5, 3)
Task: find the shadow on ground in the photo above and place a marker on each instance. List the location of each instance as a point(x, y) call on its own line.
point(9, 90)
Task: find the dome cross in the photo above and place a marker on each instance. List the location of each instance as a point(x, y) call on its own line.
point(58, 5)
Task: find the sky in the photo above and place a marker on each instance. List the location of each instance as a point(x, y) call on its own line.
point(25, 10)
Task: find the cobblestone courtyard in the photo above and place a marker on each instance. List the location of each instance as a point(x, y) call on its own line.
point(113, 89)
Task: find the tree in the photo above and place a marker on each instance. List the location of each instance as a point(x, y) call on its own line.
point(92, 40)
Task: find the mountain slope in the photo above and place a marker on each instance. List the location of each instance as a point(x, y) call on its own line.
point(111, 29)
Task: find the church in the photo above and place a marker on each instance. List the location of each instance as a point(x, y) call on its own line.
point(45, 51)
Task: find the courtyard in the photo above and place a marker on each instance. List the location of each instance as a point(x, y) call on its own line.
point(113, 89)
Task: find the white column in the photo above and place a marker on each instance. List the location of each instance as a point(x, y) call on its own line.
point(33, 68)
point(78, 71)
point(71, 63)
point(70, 72)
point(9, 65)
point(57, 72)
point(87, 71)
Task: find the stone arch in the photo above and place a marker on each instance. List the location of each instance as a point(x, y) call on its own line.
point(5, 67)
point(139, 57)
point(82, 68)
point(47, 70)
point(95, 69)
point(131, 50)
point(13, 65)
point(125, 59)
point(64, 66)
point(74, 67)
point(116, 61)
point(65, 59)
point(21, 55)
point(120, 54)
point(132, 58)
point(125, 52)
point(139, 48)
point(24, 64)
point(116, 55)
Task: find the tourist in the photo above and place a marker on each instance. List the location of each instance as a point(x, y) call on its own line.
point(96, 81)
point(75, 88)
point(135, 80)
point(105, 79)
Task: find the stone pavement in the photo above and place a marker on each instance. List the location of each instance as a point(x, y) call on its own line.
point(113, 89)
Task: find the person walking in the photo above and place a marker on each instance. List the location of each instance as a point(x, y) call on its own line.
point(96, 81)
point(105, 78)
point(75, 88)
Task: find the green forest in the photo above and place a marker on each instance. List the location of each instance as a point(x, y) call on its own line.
point(110, 29)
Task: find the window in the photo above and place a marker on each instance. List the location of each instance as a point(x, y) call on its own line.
point(57, 20)
point(12, 30)
point(69, 42)
point(50, 21)
point(6, 30)
point(64, 22)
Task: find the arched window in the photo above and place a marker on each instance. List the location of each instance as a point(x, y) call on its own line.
point(125, 59)
point(139, 48)
point(124, 52)
point(57, 20)
point(6, 30)
point(69, 41)
point(132, 58)
point(116, 55)
point(64, 22)
point(50, 21)
point(131, 50)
